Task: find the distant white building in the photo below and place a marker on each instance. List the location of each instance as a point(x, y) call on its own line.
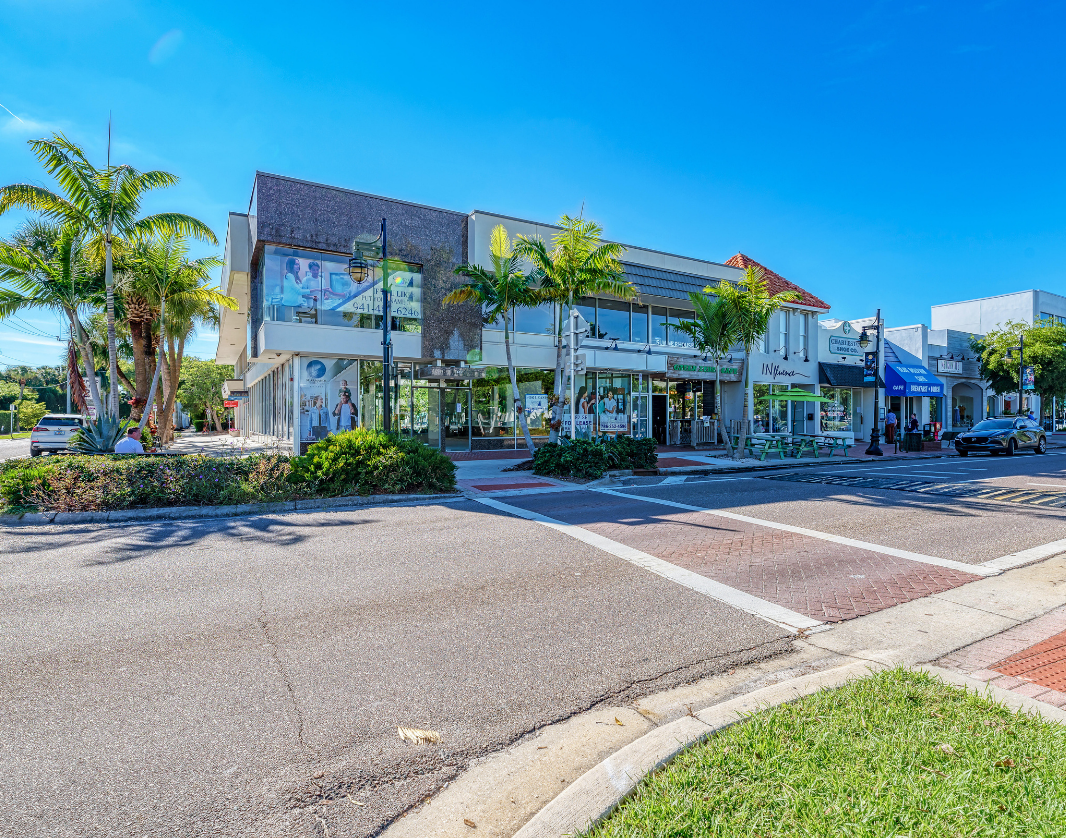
point(987, 314)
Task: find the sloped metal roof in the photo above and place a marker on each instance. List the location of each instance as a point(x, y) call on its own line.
point(663, 283)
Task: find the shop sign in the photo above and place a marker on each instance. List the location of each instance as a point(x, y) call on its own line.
point(230, 403)
point(773, 371)
point(695, 369)
point(949, 366)
point(461, 373)
point(844, 346)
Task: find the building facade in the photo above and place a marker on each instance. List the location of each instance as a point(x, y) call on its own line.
point(306, 339)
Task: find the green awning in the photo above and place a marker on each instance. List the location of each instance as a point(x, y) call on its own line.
point(795, 395)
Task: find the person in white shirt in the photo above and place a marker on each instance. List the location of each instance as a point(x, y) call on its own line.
point(131, 442)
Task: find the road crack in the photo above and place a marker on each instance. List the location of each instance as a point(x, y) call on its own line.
point(275, 655)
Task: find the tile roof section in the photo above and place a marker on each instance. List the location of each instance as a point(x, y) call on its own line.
point(778, 283)
point(663, 283)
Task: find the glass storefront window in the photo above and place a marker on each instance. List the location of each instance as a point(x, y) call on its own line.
point(837, 414)
point(613, 319)
point(769, 415)
point(538, 321)
point(587, 307)
point(327, 402)
point(677, 338)
point(659, 328)
point(640, 323)
point(613, 406)
point(493, 409)
point(308, 286)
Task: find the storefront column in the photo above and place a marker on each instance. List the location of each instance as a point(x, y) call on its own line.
point(294, 385)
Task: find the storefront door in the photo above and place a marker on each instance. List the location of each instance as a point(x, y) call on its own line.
point(455, 419)
point(658, 417)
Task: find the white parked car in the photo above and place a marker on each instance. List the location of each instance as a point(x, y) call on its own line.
point(53, 432)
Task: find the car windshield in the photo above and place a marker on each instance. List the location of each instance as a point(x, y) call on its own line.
point(60, 421)
point(994, 425)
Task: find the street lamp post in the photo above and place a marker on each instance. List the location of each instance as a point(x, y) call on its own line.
point(1020, 349)
point(358, 268)
point(864, 341)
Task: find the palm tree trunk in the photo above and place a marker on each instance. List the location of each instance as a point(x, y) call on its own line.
point(739, 453)
point(520, 412)
point(171, 390)
point(140, 370)
point(158, 366)
point(721, 407)
point(112, 345)
point(87, 361)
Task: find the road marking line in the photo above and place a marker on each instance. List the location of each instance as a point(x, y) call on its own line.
point(676, 478)
point(1044, 551)
point(1052, 485)
point(769, 611)
point(972, 569)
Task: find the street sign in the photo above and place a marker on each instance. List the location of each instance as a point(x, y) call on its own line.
point(580, 364)
point(581, 328)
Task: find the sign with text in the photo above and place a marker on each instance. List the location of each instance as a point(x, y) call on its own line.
point(949, 366)
point(696, 369)
point(773, 371)
point(844, 346)
point(460, 373)
point(869, 368)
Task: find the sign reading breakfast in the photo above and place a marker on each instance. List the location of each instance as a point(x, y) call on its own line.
point(697, 369)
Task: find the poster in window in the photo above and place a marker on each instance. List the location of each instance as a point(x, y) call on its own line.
point(327, 405)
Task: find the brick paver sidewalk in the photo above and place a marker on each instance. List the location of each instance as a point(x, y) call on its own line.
point(821, 579)
point(1025, 659)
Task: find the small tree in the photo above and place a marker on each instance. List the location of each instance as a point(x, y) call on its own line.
point(201, 387)
point(713, 332)
point(29, 413)
point(1045, 349)
point(750, 307)
point(499, 292)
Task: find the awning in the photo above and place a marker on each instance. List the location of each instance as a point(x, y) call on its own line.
point(910, 380)
point(844, 375)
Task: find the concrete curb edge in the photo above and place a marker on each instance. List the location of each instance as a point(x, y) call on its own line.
point(183, 513)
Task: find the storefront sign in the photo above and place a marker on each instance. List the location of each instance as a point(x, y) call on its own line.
point(844, 346)
point(230, 403)
point(771, 371)
point(461, 373)
point(949, 366)
point(696, 369)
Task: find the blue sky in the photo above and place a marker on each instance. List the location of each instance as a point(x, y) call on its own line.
point(877, 154)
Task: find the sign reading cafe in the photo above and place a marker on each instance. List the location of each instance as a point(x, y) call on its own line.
point(696, 369)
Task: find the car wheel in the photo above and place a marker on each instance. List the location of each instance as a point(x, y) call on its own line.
point(35, 452)
point(1041, 446)
point(1011, 444)
point(963, 453)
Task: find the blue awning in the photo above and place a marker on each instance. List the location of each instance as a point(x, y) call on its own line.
point(911, 380)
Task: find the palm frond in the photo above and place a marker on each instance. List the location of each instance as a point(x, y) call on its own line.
point(171, 223)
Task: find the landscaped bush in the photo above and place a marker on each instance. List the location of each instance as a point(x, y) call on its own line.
point(588, 460)
point(369, 462)
point(82, 483)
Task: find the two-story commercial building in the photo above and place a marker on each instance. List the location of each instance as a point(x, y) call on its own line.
point(306, 339)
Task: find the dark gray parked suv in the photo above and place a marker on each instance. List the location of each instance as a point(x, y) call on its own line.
point(1002, 436)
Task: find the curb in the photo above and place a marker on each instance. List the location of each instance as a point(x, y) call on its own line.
point(778, 464)
point(177, 513)
point(598, 792)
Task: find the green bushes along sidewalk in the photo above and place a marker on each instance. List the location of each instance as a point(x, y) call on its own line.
point(360, 462)
point(589, 460)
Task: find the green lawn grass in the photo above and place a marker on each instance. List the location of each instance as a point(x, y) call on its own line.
point(17, 435)
point(897, 754)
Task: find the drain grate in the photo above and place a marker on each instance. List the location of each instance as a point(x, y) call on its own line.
point(1043, 664)
point(929, 487)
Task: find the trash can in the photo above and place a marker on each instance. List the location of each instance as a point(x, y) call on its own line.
point(912, 441)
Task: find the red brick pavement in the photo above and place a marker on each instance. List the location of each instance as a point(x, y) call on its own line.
point(822, 579)
point(1022, 659)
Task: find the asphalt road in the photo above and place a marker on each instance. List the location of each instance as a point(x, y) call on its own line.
point(11, 448)
point(219, 678)
point(175, 680)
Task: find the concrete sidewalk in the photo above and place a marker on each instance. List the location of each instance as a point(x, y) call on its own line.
point(562, 778)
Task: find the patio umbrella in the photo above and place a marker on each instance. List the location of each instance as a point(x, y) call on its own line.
point(796, 395)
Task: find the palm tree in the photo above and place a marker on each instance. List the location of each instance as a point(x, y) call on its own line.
point(499, 292)
point(577, 265)
point(750, 306)
point(165, 275)
point(43, 267)
point(713, 332)
point(105, 204)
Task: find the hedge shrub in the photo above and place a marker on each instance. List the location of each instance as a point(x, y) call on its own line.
point(368, 462)
point(589, 460)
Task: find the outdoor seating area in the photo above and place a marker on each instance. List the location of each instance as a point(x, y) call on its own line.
point(760, 446)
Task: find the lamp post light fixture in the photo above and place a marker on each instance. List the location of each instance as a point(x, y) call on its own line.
point(864, 341)
point(358, 269)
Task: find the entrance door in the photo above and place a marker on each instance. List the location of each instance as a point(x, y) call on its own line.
point(455, 419)
point(658, 417)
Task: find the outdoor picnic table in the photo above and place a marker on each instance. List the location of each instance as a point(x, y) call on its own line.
point(759, 445)
point(814, 442)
